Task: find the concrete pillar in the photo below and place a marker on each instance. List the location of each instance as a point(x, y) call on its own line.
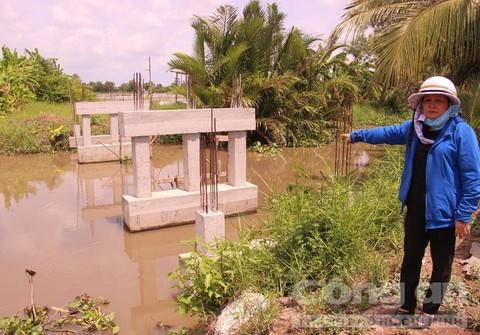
point(191, 162)
point(142, 178)
point(237, 158)
point(209, 226)
point(114, 127)
point(86, 130)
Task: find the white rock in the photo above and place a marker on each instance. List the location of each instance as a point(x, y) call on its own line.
point(239, 312)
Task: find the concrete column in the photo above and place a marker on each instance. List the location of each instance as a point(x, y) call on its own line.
point(86, 130)
point(237, 158)
point(191, 162)
point(142, 179)
point(114, 127)
point(209, 226)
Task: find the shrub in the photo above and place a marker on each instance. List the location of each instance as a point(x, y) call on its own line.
point(342, 228)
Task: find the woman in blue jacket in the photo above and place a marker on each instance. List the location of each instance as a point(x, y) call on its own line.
point(440, 187)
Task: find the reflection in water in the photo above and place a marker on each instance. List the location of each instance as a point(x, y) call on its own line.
point(65, 222)
point(19, 176)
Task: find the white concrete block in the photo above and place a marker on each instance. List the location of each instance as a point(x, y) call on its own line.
point(142, 178)
point(237, 158)
point(191, 162)
point(209, 226)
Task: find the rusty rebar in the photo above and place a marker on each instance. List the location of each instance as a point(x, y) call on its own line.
point(209, 170)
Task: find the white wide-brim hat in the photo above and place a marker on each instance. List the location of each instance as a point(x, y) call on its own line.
point(435, 85)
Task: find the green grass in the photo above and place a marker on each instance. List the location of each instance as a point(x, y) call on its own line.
point(158, 106)
point(367, 115)
point(41, 127)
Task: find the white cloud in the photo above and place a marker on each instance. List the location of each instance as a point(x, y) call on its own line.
point(110, 40)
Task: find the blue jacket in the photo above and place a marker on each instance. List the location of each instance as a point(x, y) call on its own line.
point(452, 173)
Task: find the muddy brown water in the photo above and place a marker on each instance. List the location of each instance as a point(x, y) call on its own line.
point(63, 220)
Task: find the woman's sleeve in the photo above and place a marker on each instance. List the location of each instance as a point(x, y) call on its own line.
point(469, 167)
point(396, 134)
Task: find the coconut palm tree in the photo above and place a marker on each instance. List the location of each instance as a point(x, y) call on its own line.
point(292, 84)
point(415, 38)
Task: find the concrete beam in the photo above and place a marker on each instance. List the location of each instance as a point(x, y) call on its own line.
point(142, 178)
point(237, 158)
point(185, 121)
point(191, 162)
point(176, 207)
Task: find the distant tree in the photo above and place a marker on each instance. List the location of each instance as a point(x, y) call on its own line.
point(126, 87)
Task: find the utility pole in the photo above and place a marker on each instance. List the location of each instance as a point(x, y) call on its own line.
point(150, 89)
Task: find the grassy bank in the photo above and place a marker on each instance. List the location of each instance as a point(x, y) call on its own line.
point(45, 127)
point(39, 127)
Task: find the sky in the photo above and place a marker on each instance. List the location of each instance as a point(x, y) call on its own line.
point(112, 39)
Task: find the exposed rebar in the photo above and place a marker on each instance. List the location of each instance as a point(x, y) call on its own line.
point(209, 168)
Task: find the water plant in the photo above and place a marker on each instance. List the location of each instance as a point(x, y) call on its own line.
point(83, 314)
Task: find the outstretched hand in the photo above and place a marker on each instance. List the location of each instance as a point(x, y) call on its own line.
point(346, 138)
point(462, 229)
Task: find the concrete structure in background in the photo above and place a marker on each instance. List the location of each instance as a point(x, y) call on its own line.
point(146, 209)
point(100, 148)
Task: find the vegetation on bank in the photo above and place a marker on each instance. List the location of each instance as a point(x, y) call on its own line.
point(32, 77)
point(84, 314)
point(334, 228)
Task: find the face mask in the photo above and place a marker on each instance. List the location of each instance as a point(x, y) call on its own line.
point(439, 122)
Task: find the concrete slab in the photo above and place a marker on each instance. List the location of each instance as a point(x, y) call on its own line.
point(103, 153)
point(175, 207)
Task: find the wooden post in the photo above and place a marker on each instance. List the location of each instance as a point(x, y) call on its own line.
point(237, 158)
point(191, 162)
point(142, 179)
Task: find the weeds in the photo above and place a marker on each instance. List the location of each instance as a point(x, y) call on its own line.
point(261, 319)
point(340, 228)
point(272, 148)
point(83, 313)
